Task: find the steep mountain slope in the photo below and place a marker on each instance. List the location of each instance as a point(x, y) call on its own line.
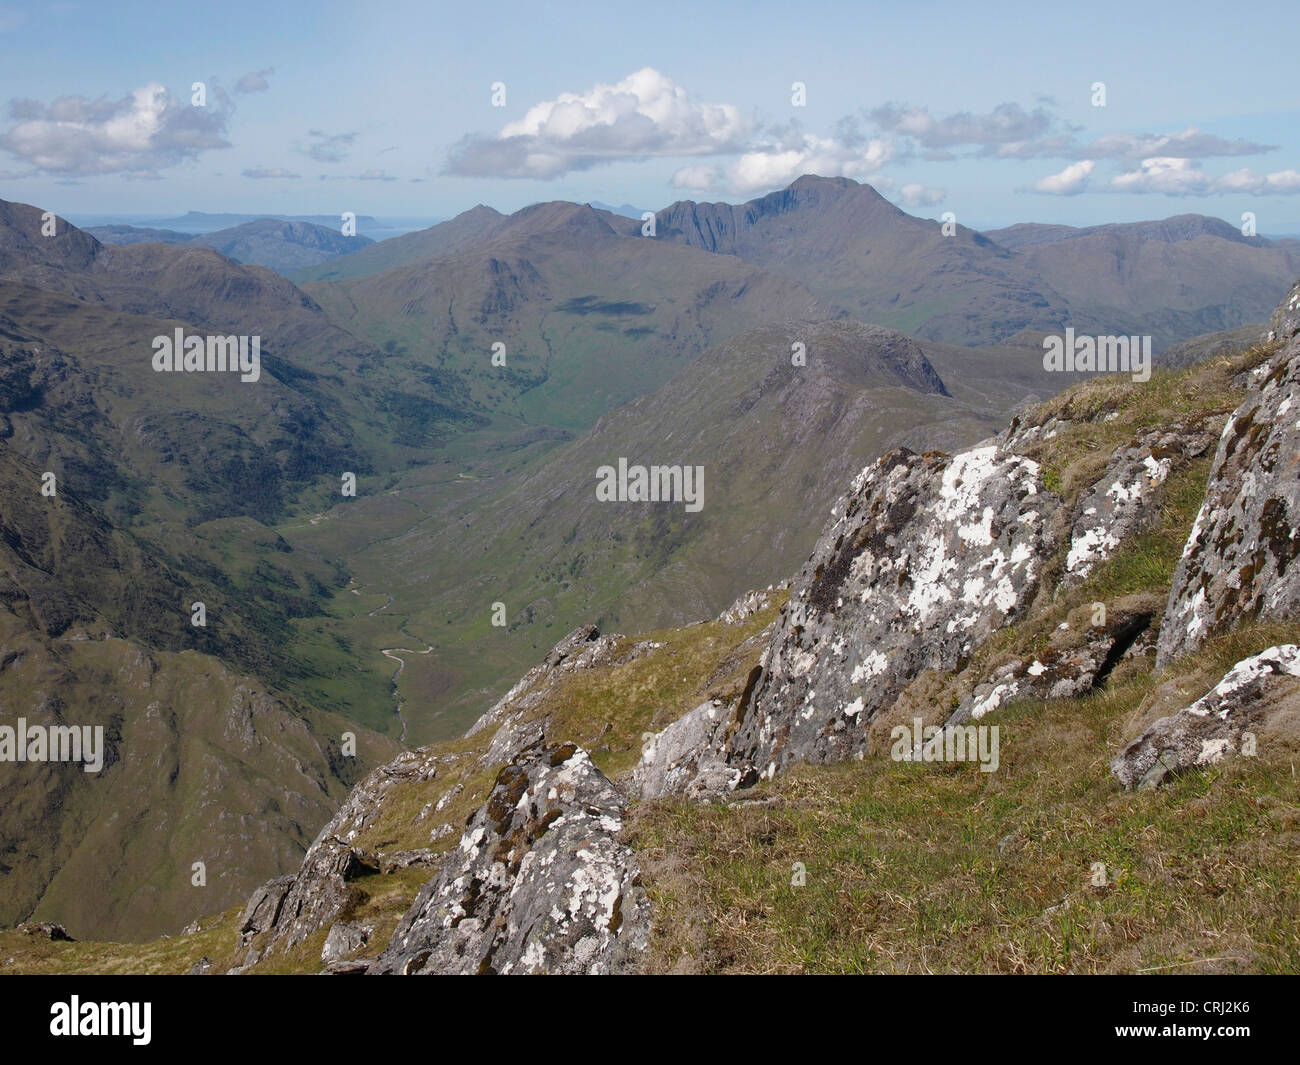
point(95, 630)
point(774, 439)
point(160, 484)
point(200, 764)
point(860, 252)
point(468, 228)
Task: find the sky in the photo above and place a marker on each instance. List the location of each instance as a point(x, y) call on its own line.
point(989, 111)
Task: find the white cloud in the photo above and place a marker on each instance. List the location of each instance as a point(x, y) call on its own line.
point(1069, 182)
point(139, 134)
point(916, 195)
point(1191, 143)
point(262, 172)
point(645, 115)
point(1281, 182)
point(1011, 132)
point(1174, 176)
point(1008, 123)
point(695, 178)
point(767, 167)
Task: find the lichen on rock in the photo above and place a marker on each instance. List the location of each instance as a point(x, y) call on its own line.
point(1212, 727)
point(539, 884)
point(925, 557)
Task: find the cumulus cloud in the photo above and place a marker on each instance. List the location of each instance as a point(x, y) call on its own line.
point(262, 172)
point(647, 115)
point(1175, 176)
point(767, 167)
point(781, 156)
point(1069, 182)
point(643, 116)
point(917, 195)
point(329, 147)
point(254, 81)
point(139, 134)
point(695, 178)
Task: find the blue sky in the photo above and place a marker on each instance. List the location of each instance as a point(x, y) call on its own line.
point(386, 108)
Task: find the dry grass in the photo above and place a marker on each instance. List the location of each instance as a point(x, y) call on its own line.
point(915, 867)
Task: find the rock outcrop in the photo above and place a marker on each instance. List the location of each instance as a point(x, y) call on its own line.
point(688, 758)
point(512, 716)
point(1077, 658)
point(289, 909)
point(1213, 726)
point(344, 940)
point(539, 883)
point(1122, 502)
point(1239, 561)
point(927, 555)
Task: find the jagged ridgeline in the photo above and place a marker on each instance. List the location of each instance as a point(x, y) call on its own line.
point(1021, 704)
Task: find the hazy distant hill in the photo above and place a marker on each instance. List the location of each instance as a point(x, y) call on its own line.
point(122, 234)
point(205, 222)
point(1174, 279)
point(283, 246)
